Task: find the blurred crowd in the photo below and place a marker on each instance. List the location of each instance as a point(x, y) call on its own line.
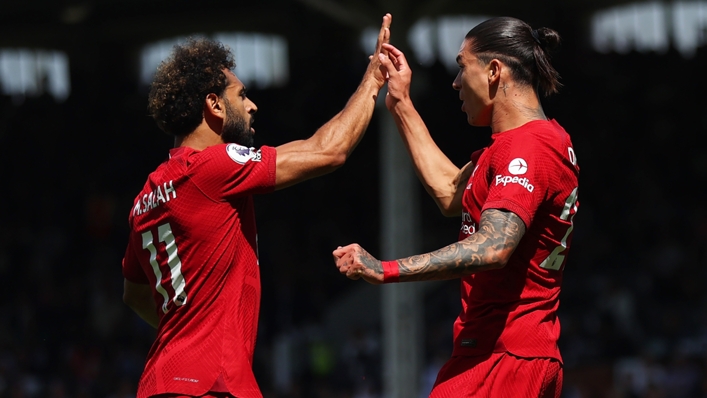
point(633, 308)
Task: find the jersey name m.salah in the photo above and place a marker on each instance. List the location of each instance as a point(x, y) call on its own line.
point(193, 239)
point(531, 171)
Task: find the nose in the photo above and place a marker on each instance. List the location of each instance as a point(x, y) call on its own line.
point(251, 107)
point(457, 83)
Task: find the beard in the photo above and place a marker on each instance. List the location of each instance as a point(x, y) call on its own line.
point(236, 130)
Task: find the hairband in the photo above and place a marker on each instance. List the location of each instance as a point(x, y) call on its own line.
point(536, 37)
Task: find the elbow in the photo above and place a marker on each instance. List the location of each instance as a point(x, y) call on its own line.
point(447, 203)
point(327, 156)
point(448, 208)
point(332, 160)
point(497, 264)
point(497, 259)
point(447, 212)
point(129, 300)
point(337, 160)
point(134, 299)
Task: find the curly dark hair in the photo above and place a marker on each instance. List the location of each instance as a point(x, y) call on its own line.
point(193, 70)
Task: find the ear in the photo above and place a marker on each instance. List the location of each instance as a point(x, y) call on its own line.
point(493, 70)
point(213, 105)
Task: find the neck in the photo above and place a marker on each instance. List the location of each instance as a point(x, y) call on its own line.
point(201, 138)
point(513, 107)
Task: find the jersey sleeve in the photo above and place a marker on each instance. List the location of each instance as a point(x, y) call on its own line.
point(230, 171)
point(132, 270)
point(520, 175)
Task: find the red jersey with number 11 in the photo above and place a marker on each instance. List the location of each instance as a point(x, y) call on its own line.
point(193, 240)
point(531, 171)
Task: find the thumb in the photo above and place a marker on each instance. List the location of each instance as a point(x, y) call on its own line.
point(340, 251)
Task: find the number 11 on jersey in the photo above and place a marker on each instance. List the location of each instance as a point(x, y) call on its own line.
point(178, 284)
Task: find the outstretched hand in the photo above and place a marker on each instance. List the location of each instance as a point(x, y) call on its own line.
point(375, 67)
point(399, 75)
point(354, 262)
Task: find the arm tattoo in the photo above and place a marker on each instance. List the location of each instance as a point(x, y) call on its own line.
point(489, 248)
point(371, 263)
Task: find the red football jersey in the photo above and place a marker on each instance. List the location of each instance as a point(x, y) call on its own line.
point(532, 171)
point(193, 239)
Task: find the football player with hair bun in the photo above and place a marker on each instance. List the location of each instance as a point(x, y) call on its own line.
point(517, 198)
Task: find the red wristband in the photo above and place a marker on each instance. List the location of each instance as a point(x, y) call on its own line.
point(391, 272)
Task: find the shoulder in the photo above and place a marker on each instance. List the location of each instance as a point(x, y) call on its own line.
point(225, 164)
point(227, 156)
point(235, 153)
point(540, 136)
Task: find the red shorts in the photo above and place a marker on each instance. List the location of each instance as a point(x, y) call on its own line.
point(207, 395)
point(499, 375)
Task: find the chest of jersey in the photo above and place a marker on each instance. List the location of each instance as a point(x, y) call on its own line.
point(475, 194)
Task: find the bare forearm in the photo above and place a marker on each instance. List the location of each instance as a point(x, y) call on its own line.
point(487, 249)
point(330, 146)
point(490, 248)
point(344, 131)
point(452, 261)
point(433, 167)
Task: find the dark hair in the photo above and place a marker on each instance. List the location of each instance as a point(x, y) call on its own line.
point(193, 70)
point(524, 49)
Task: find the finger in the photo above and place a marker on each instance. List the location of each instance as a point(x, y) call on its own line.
point(383, 38)
point(394, 60)
point(384, 33)
point(343, 268)
point(341, 251)
point(353, 274)
point(386, 40)
point(394, 52)
point(391, 48)
point(345, 262)
point(387, 64)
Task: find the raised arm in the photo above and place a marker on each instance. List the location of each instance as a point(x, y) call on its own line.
point(332, 143)
point(443, 180)
point(487, 249)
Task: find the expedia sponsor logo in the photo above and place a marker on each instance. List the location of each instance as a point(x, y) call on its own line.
point(522, 181)
point(518, 166)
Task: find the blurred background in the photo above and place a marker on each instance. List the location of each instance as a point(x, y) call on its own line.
point(77, 145)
